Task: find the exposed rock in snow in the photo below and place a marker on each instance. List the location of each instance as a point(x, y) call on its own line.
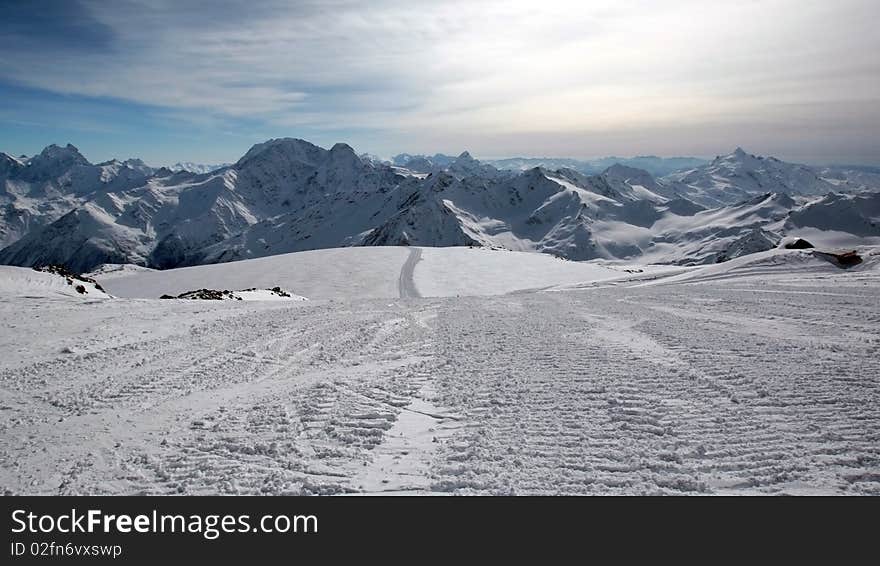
point(757, 240)
point(843, 259)
point(273, 294)
point(795, 244)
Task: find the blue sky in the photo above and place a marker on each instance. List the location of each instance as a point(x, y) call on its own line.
point(203, 81)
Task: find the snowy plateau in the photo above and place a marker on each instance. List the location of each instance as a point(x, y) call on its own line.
point(438, 325)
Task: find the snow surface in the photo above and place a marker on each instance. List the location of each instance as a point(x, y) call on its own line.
point(266, 295)
point(756, 376)
point(24, 282)
point(342, 273)
point(445, 272)
point(113, 270)
point(757, 265)
point(375, 272)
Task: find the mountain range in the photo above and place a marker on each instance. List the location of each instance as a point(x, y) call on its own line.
point(197, 167)
point(287, 195)
point(657, 166)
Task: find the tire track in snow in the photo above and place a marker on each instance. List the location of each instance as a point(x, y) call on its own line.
point(405, 284)
point(584, 393)
point(722, 390)
point(307, 435)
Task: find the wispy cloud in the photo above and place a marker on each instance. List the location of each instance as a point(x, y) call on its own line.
point(440, 75)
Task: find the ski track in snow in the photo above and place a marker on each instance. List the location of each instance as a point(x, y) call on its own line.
point(682, 389)
point(406, 284)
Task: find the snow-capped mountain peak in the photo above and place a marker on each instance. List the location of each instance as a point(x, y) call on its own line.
point(288, 149)
point(54, 161)
point(739, 175)
point(343, 155)
point(466, 166)
point(630, 175)
point(67, 153)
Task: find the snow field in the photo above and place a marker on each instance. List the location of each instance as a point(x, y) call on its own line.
point(341, 273)
point(755, 384)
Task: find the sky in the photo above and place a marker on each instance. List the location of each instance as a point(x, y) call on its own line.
point(198, 80)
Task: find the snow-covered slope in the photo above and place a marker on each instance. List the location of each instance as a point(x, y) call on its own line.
point(81, 239)
point(857, 214)
point(342, 273)
point(760, 264)
point(449, 272)
point(747, 377)
point(373, 272)
point(18, 282)
point(740, 175)
point(112, 270)
point(852, 177)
